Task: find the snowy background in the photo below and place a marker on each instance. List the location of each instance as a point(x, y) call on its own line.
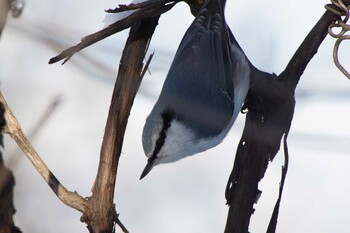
point(187, 196)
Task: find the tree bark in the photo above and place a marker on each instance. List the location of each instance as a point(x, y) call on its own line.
point(102, 216)
point(270, 112)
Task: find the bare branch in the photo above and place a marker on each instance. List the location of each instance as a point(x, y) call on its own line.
point(271, 106)
point(120, 224)
point(13, 129)
point(308, 48)
point(102, 215)
point(13, 159)
point(150, 10)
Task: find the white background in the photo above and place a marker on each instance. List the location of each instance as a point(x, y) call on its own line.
point(187, 196)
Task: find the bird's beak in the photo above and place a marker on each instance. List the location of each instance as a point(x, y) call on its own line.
point(150, 164)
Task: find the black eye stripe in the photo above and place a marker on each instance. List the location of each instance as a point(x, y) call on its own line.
point(167, 118)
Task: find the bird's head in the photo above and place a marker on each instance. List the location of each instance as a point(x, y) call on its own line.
point(166, 139)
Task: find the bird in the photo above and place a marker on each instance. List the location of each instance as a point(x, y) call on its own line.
point(202, 94)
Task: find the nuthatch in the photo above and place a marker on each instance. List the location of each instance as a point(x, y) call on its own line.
point(202, 94)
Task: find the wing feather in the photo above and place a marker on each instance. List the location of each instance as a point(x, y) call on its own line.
point(199, 87)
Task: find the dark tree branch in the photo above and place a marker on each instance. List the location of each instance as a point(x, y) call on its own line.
point(271, 106)
point(307, 50)
point(144, 10)
point(157, 8)
point(102, 216)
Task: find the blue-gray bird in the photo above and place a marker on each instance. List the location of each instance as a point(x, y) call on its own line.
point(202, 94)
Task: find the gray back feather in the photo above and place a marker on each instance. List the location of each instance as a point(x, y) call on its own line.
point(199, 87)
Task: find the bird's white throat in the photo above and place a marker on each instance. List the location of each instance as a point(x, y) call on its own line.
point(181, 142)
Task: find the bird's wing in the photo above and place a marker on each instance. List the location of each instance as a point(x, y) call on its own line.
point(199, 87)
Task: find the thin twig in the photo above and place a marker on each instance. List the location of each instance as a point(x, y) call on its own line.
point(145, 68)
point(13, 129)
point(150, 10)
point(120, 224)
point(13, 159)
point(308, 48)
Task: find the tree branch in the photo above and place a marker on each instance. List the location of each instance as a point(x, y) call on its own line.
point(99, 211)
point(13, 129)
point(152, 9)
point(307, 50)
point(271, 106)
point(102, 216)
point(144, 10)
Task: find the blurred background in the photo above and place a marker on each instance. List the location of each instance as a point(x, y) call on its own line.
point(187, 196)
